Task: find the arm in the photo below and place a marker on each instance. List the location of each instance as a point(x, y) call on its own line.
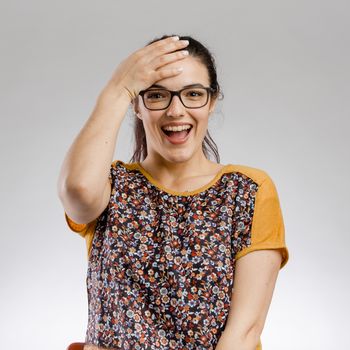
point(83, 185)
point(254, 282)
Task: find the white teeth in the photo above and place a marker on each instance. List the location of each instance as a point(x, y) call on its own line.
point(177, 128)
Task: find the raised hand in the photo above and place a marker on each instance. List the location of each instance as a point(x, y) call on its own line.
point(147, 65)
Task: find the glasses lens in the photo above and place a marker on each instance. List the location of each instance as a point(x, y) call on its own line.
point(156, 98)
point(194, 97)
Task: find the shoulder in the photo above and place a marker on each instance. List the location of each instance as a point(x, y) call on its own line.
point(119, 164)
point(122, 168)
point(257, 175)
point(123, 172)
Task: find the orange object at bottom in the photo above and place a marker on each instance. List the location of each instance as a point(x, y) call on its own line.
point(76, 346)
point(83, 346)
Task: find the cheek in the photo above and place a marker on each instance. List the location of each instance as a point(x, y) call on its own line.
point(150, 121)
point(202, 119)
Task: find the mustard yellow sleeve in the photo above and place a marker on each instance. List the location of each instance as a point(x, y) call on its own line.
point(85, 230)
point(88, 230)
point(267, 228)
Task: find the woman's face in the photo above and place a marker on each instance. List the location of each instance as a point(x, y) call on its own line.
point(173, 149)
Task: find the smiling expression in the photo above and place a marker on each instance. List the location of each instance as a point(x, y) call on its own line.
point(194, 72)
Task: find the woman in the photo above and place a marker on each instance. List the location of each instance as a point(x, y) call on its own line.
point(168, 234)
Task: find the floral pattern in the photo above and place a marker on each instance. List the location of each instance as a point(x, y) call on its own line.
point(161, 266)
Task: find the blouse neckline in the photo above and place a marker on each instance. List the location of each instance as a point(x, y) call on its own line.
point(225, 169)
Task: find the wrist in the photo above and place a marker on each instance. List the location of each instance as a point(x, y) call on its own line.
point(112, 94)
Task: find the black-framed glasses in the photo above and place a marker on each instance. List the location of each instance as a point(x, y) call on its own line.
point(156, 99)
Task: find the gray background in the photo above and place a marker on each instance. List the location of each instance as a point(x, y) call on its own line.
point(284, 69)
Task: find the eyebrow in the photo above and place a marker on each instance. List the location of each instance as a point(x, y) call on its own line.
point(184, 87)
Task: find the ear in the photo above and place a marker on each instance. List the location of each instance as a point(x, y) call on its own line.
point(212, 105)
point(135, 106)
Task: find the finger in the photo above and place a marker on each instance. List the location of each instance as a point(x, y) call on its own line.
point(163, 60)
point(163, 50)
point(148, 53)
point(162, 42)
point(156, 45)
point(169, 47)
point(166, 73)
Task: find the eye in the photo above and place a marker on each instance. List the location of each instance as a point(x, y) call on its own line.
point(195, 93)
point(156, 95)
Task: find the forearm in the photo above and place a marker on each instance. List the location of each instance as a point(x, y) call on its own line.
point(87, 163)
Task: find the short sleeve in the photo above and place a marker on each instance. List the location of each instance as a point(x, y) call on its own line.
point(85, 230)
point(267, 227)
point(81, 229)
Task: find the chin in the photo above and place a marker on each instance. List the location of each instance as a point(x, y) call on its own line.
point(179, 157)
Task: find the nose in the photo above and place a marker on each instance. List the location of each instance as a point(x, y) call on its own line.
point(176, 108)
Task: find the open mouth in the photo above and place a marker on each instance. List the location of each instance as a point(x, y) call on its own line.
point(177, 136)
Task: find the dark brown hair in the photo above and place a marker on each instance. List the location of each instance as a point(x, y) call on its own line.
point(198, 50)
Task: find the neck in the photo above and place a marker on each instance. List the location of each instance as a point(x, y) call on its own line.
point(161, 168)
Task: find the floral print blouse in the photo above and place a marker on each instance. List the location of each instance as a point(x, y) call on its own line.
point(161, 263)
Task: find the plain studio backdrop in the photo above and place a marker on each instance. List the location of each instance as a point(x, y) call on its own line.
point(284, 70)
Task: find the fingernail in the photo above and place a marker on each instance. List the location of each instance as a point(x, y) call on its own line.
point(180, 69)
point(185, 41)
point(185, 53)
point(176, 38)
